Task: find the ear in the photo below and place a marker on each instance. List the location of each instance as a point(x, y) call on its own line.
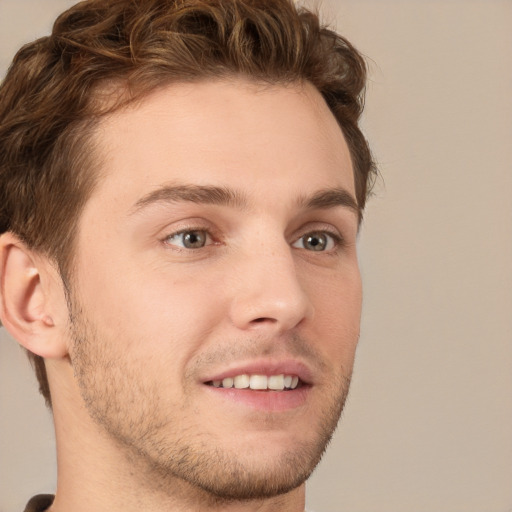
point(32, 300)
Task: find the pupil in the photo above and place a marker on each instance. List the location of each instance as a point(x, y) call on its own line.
point(316, 242)
point(193, 239)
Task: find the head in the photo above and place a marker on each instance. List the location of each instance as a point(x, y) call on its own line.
point(65, 95)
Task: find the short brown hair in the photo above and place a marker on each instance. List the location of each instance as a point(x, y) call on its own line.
point(48, 108)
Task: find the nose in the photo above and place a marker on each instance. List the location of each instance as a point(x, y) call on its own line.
point(267, 293)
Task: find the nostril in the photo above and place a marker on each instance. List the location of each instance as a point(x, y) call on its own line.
point(263, 319)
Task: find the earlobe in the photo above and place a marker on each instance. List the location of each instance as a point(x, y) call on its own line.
point(27, 304)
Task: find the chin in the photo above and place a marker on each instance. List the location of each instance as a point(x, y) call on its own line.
point(247, 479)
point(261, 467)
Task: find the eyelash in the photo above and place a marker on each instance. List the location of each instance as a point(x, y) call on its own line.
point(337, 240)
point(188, 230)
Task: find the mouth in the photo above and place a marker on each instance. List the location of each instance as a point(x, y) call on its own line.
point(271, 386)
point(257, 382)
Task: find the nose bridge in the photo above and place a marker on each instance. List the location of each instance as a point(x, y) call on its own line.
point(269, 291)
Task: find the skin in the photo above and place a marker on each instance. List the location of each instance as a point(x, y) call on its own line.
point(153, 322)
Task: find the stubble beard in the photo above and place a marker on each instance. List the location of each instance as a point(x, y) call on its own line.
point(173, 457)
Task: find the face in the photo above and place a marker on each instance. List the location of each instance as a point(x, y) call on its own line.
point(216, 293)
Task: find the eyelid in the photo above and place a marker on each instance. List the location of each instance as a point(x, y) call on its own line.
point(336, 237)
point(184, 231)
point(320, 227)
point(168, 234)
point(215, 238)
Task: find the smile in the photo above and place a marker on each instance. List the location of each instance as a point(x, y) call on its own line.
point(258, 382)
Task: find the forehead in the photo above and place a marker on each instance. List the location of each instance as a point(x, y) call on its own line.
point(233, 133)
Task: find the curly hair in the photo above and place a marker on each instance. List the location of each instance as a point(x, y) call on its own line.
point(54, 95)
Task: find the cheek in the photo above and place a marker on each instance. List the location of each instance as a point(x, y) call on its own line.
point(152, 311)
point(337, 304)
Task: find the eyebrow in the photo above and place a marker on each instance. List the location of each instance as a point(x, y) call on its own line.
point(330, 198)
point(199, 194)
point(224, 196)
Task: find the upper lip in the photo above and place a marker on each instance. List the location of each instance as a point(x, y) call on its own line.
point(264, 367)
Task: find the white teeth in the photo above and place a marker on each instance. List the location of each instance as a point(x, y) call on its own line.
point(258, 382)
point(276, 382)
point(241, 381)
point(227, 382)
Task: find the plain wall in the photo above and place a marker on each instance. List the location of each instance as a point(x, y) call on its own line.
point(428, 424)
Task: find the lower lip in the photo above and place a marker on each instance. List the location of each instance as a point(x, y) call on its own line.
point(270, 401)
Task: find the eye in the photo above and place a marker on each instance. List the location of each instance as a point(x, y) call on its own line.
point(189, 239)
point(317, 241)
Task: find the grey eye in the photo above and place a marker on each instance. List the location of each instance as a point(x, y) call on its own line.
point(195, 239)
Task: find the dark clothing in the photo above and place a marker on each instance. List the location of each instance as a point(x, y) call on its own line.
point(39, 503)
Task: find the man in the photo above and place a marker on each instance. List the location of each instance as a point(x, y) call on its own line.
point(181, 188)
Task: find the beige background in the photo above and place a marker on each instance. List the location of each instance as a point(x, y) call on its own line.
point(428, 426)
